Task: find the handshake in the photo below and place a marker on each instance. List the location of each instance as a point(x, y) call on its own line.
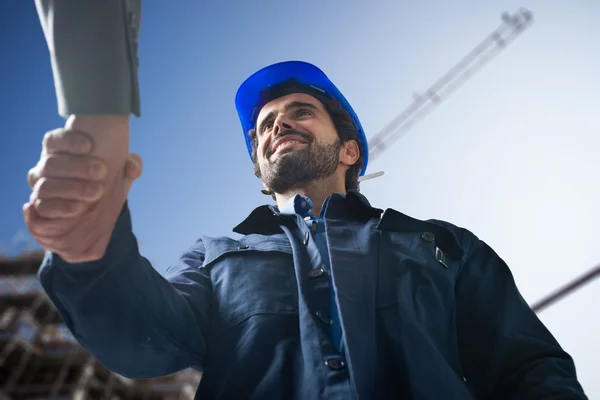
point(79, 186)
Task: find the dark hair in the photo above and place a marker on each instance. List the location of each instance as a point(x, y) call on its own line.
point(344, 126)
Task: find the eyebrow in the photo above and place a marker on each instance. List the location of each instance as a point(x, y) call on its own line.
point(287, 107)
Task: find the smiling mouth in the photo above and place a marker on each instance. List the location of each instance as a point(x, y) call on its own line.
point(287, 144)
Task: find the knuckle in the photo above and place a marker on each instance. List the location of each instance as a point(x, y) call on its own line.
point(32, 176)
point(45, 165)
point(66, 140)
point(46, 139)
point(49, 138)
point(42, 186)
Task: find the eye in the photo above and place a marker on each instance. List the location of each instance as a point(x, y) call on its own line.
point(301, 112)
point(266, 126)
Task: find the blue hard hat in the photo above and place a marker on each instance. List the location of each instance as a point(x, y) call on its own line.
point(248, 96)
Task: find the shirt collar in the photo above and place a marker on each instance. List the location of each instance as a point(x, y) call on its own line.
point(267, 219)
point(300, 205)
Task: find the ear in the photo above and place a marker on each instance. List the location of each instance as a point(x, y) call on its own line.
point(266, 190)
point(349, 153)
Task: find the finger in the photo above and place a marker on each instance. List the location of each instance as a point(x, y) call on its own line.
point(44, 229)
point(59, 208)
point(27, 215)
point(133, 170)
point(133, 167)
point(66, 141)
point(67, 189)
point(67, 166)
point(32, 176)
point(38, 226)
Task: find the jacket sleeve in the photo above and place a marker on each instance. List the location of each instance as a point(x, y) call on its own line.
point(93, 53)
point(135, 321)
point(506, 351)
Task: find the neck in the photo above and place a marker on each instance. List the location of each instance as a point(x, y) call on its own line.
point(316, 191)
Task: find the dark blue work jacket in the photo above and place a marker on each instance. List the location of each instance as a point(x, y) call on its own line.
point(428, 311)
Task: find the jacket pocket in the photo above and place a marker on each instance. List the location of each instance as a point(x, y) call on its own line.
point(251, 277)
point(415, 273)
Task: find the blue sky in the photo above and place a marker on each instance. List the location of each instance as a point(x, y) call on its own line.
point(512, 155)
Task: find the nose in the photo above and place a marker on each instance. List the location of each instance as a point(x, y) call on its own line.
point(281, 124)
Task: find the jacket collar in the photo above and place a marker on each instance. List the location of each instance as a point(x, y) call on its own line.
point(267, 219)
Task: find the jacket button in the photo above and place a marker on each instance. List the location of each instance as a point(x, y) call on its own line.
point(428, 236)
point(306, 237)
point(335, 364)
point(323, 318)
point(315, 273)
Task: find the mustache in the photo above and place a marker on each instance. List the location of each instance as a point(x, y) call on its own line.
point(305, 136)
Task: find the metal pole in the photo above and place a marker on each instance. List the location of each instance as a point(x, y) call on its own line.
point(567, 289)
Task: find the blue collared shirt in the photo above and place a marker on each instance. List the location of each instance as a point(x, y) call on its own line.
point(302, 206)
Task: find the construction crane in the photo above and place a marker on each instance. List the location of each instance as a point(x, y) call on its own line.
point(512, 26)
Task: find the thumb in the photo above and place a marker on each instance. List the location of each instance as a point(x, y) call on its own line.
point(133, 170)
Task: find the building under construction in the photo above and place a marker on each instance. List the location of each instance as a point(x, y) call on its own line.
point(40, 359)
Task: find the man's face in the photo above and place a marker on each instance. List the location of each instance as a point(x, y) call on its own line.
point(297, 142)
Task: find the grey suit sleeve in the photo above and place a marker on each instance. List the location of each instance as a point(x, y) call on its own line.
point(93, 52)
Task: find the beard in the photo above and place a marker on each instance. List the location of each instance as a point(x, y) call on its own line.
point(294, 167)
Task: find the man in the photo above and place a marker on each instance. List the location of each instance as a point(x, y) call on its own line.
point(324, 296)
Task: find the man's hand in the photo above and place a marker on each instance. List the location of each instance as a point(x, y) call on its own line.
point(79, 186)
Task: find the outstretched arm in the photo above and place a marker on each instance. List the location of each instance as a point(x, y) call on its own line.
point(93, 51)
point(132, 319)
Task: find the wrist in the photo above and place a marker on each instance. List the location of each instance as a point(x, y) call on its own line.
point(109, 134)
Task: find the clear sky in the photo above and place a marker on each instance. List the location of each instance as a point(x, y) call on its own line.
point(512, 156)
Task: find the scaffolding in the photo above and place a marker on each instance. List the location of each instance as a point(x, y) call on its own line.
point(40, 359)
